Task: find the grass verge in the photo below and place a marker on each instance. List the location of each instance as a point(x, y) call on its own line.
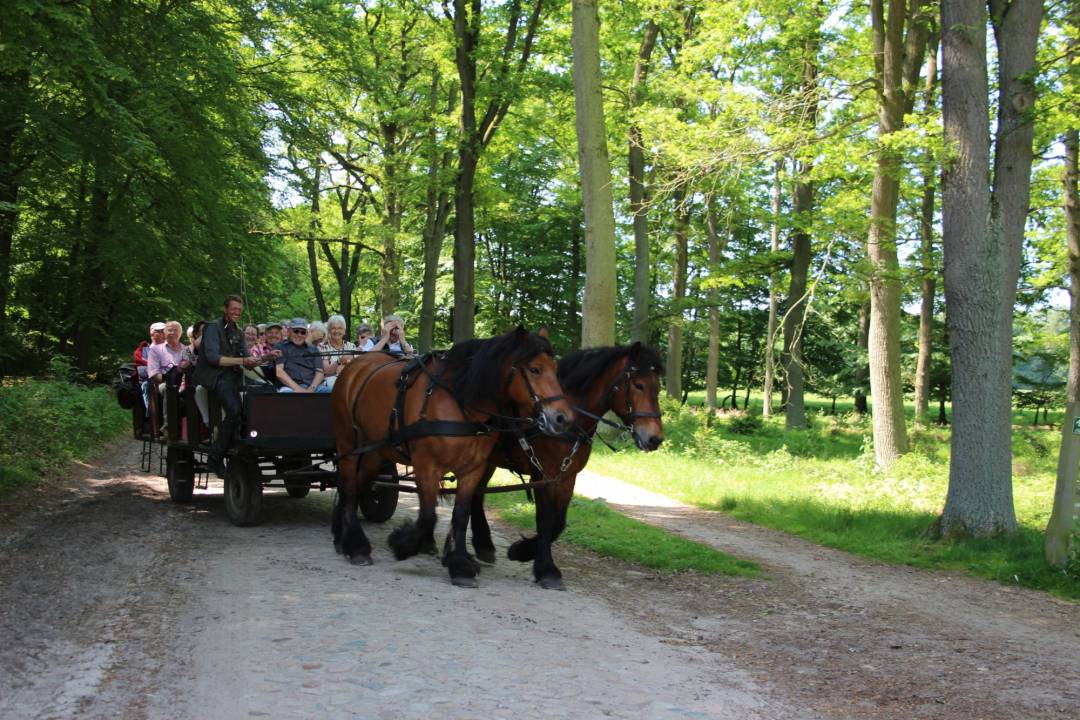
point(594, 525)
point(45, 424)
point(821, 484)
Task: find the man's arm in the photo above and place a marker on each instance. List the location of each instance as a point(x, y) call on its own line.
point(286, 380)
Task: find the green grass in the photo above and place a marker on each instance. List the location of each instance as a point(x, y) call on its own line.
point(594, 525)
point(45, 424)
point(821, 484)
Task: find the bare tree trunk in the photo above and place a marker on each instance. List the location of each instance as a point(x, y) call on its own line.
point(13, 88)
point(774, 296)
point(675, 328)
point(436, 212)
point(574, 311)
point(638, 200)
point(802, 209)
point(1063, 518)
point(862, 372)
point(982, 237)
point(713, 361)
point(313, 229)
point(598, 305)
point(928, 266)
point(898, 56)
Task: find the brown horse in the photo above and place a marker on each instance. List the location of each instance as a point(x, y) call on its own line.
point(624, 380)
point(441, 414)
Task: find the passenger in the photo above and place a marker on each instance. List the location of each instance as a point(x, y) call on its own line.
point(163, 364)
point(222, 357)
point(299, 369)
point(392, 339)
point(251, 336)
point(272, 337)
point(266, 351)
point(142, 355)
point(337, 349)
point(316, 333)
point(363, 333)
point(188, 362)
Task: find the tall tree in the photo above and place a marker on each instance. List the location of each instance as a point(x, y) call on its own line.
point(638, 201)
point(927, 264)
point(598, 305)
point(774, 294)
point(801, 239)
point(899, 46)
point(502, 78)
point(982, 233)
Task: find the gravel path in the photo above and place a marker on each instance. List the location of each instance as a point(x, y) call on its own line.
point(117, 603)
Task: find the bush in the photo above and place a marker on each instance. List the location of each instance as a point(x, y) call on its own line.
point(745, 424)
point(44, 424)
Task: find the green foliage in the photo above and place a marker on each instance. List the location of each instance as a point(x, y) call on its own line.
point(594, 525)
point(44, 424)
point(745, 424)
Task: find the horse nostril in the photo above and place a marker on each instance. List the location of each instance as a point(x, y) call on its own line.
point(561, 420)
point(654, 442)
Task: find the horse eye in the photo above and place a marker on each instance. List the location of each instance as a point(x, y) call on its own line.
point(534, 370)
point(639, 386)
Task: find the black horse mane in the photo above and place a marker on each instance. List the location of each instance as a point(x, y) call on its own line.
point(578, 370)
point(476, 365)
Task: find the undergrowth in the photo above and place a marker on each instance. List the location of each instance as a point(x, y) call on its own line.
point(46, 423)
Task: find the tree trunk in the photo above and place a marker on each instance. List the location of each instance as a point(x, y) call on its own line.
point(1059, 531)
point(802, 209)
point(313, 231)
point(466, 31)
point(774, 295)
point(13, 88)
point(929, 272)
point(574, 311)
point(897, 59)
point(675, 327)
point(638, 200)
point(436, 212)
point(713, 362)
point(598, 305)
point(982, 237)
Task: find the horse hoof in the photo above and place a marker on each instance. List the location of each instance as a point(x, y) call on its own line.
point(552, 583)
point(464, 582)
point(360, 559)
point(485, 555)
point(337, 548)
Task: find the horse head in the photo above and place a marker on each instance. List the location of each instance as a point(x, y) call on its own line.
point(515, 371)
point(634, 395)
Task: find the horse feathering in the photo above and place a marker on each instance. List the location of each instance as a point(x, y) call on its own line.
point(476, 365)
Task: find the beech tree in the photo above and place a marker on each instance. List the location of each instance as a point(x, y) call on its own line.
point(982, 234)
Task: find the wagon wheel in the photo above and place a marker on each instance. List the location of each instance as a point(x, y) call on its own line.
point(180, 474)
point(379, 503)
point(243, 492)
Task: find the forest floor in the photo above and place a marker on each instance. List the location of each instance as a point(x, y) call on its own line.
point(119, 604)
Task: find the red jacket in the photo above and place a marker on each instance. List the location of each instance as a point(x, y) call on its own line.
point(140, 353)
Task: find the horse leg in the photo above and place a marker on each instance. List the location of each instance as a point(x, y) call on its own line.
point(346, 473)
point(551, 506)
point(462, 566)
point(413, 537)
point(354, 544)
point(481, 531)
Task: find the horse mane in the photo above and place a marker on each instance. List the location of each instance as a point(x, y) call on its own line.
point(578, 370)
point(475, 365)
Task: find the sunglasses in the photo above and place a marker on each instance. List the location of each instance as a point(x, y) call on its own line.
point(300, 332)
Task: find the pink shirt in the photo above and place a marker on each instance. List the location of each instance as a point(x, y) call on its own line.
point(162, 357)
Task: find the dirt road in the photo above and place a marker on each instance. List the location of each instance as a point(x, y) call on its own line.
point(116, 603)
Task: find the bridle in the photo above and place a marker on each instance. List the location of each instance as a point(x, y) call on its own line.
point(631, 416)
point(538, 402)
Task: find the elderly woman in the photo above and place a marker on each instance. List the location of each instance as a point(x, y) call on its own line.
point(335, 343)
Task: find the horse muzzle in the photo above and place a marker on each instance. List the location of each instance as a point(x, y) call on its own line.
point(553, 422)
point(647, 441)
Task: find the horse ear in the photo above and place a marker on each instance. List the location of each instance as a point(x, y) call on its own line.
point(542, 332)
point(635, 351)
